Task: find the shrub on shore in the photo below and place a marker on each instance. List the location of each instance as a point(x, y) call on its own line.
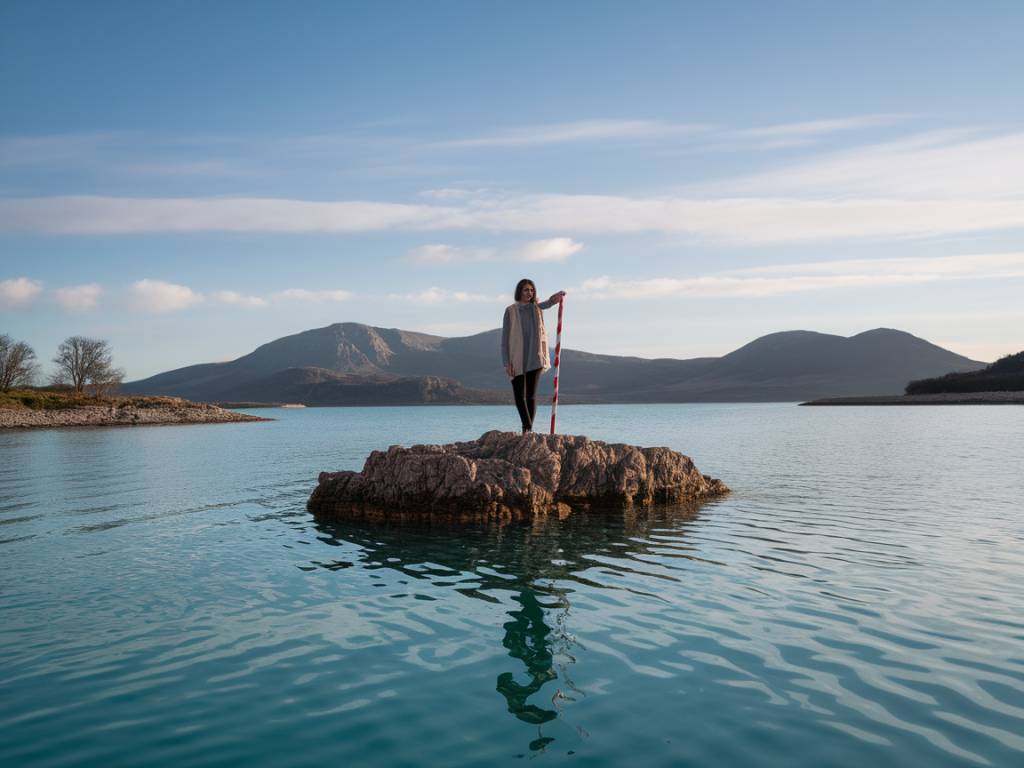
point(54, 399)
point(1004, 375)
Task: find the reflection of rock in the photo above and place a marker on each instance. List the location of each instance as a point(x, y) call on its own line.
point(542, 549)
point(528, 565)
point(504, 474)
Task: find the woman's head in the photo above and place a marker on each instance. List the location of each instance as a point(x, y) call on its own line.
point(526, 291)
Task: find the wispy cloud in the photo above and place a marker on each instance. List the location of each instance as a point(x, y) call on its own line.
point(79, 298)
point(934, 165)
point(574, 132)
point(454, 328)
point(121, 215)
point(186, 168)
point(925, 185)
point(805, 132)
point(304, 294)
point(435, 295)
point(972, 265)
point(552, 249)
point(160, 296)
point(58, 149)
point(441, 254)
point(19, 291)
point(779, 280)
point(133, 154)
point(750, 220)
point(237, 299)
point(449, 194)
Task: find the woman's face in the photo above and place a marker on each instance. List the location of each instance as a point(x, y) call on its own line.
point(526, 295)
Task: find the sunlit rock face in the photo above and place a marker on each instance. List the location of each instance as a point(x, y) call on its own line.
point(504, 474)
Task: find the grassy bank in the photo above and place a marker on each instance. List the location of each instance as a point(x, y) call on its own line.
point(55, 400)
point(41, 408)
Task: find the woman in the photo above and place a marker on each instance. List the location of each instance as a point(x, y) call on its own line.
point(524, 347)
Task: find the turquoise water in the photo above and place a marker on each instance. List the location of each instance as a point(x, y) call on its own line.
point(165, 599)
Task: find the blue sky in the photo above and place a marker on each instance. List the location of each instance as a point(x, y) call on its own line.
point(190, 180)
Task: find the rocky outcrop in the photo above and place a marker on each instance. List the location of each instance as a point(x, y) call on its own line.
point(166, 411)
point(504, 474)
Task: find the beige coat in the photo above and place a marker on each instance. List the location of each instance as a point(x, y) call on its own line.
point(515, 340)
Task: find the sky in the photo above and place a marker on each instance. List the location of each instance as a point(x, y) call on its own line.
point(190, 180)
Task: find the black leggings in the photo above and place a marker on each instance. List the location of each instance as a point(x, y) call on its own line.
point(524, 387)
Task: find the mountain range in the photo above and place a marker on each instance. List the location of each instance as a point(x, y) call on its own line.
point(356, 364)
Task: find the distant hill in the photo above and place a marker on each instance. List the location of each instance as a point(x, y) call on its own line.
point(355, 364)
point(319, 386)
point(1004, 375)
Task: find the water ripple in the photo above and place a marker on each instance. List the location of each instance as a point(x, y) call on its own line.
point(165, 595)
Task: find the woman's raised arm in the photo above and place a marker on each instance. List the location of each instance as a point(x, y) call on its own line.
point(555, 298)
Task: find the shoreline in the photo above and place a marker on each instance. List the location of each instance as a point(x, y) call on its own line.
point(127, 415)
point(943, 398)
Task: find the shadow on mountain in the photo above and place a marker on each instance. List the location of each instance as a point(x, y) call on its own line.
point(356, 364)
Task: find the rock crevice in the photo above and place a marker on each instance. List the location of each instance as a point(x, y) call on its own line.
point(507, 474)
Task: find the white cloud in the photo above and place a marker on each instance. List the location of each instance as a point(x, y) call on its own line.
point(724, 220)
point(303, 294)
point(578, 131)
point(791, 134)
point(435, 254)
point(553, 249)
point(18, 291)
point(79, 298)
point(596, 284)
point(718, 286)
point(434, 295)
point(751, 220)
point(122, 215)
point(935, 166)
point(447, 194)
point(925, 185)
point(454, 329)
point(785, 279)
point(238, 299)
point(439, 254)
point(971, 265)
point(818, 127)
point(159, 296)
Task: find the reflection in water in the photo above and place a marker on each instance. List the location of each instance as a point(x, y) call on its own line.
point(526, 638)
point(537, 561)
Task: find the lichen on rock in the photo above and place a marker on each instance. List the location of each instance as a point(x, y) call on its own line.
point(504, 474)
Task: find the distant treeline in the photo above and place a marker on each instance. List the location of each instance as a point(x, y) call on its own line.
point(1004, 375)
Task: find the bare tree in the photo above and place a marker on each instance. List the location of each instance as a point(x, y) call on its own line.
point(81, 361)
point(107, 383)
point(17, 363)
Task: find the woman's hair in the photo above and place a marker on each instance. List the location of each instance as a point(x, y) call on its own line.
point(522, 284)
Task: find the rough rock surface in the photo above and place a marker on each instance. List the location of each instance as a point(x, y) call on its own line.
point(172, 412)
point(506, 474)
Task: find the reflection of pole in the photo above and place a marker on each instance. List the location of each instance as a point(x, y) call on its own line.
point(558, 354)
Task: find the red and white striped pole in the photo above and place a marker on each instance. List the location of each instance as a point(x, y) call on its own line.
point(558, 355)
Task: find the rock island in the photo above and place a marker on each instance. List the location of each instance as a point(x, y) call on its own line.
point(37, 409)
point(508, 475)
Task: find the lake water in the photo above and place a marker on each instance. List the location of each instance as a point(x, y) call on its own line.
point(165, 599)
